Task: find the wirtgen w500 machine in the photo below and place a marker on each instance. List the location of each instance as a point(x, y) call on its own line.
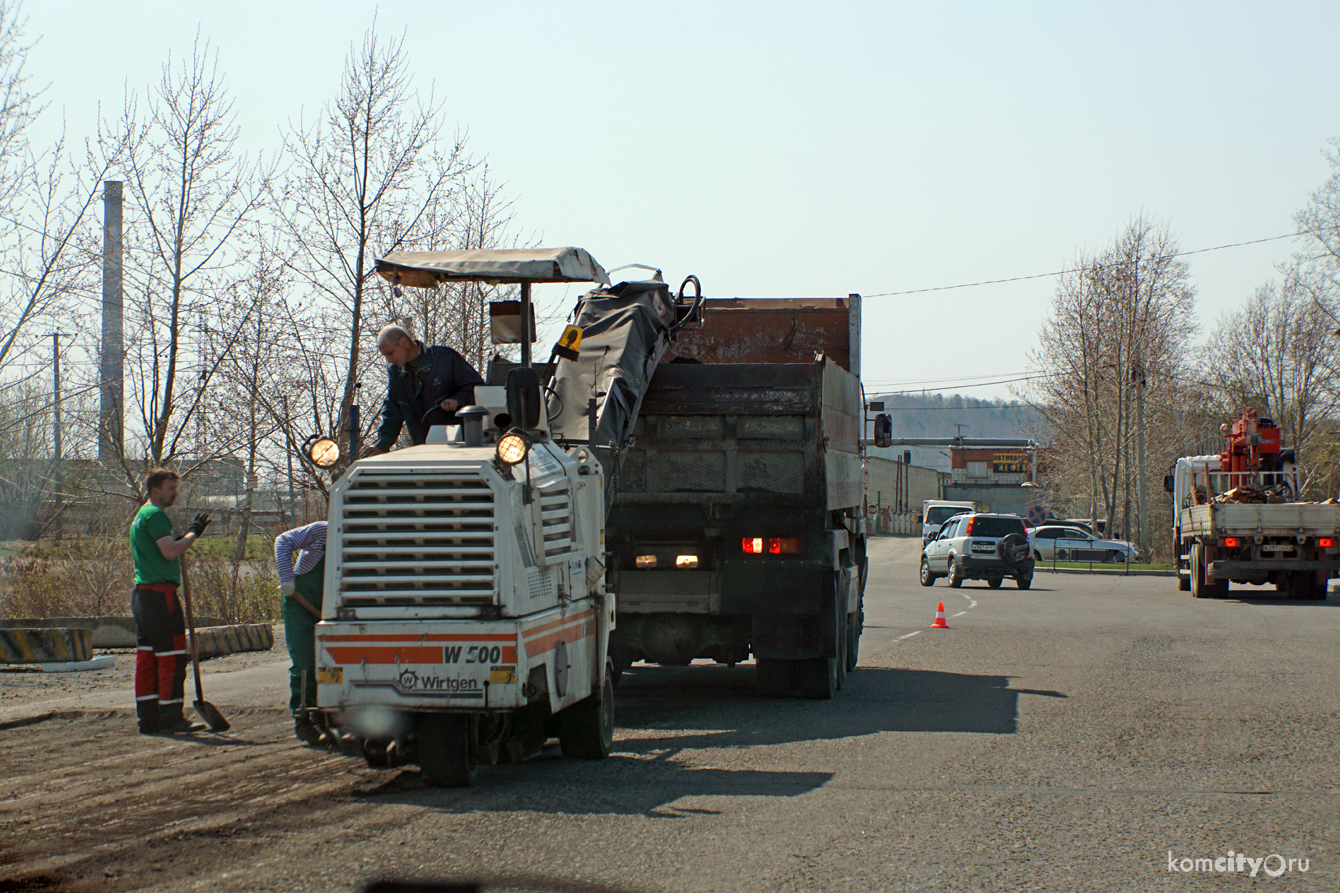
point(467, 615)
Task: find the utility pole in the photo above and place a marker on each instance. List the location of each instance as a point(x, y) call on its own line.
point(55, 432)
point(110, 376)
point(1143, 492)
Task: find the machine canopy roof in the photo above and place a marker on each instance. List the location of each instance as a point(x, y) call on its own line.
point(425, 269)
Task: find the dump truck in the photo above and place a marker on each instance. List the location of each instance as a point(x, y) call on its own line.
point(738, 526)
point(1237, 518)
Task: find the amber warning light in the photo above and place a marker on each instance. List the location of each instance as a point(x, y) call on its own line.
point(760, 545)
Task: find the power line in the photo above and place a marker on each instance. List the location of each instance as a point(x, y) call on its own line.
point(919, 291)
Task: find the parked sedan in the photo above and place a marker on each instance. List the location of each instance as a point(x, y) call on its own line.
point(1057, 543)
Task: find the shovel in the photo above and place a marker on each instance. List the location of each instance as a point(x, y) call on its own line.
point(208, 712)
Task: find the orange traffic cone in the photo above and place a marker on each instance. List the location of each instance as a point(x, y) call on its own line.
point(940, 622)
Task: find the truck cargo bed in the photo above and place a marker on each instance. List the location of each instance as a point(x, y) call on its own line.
point(1286, 519)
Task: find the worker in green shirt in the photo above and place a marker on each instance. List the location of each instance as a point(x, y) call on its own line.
point(160, 627)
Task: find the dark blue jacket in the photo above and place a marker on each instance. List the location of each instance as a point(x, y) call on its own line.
point(413, 393)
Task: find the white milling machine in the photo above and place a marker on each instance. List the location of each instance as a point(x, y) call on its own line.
point(465, 616)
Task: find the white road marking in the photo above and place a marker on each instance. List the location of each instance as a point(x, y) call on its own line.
point(908, 636)
point(959, 614)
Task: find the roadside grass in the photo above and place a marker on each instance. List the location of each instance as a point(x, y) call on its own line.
point(1113, 567)
point(92, 576)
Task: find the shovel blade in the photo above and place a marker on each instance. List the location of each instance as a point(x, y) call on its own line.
point(212, 717)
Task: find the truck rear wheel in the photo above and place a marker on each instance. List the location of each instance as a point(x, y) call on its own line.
point(445, 756)
point(586, 729)
point(776, 678)
point(1307, 586)
point(853, 640)
point(1201, 586)
point(818, 677)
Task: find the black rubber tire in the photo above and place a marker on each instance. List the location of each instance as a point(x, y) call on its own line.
point(586, 729)
point(927, 578)
point(775, 678)
point(1201, 587)
point(955, 581)
point(445, 756)
point(374, 754)
point(1024, 582)
point(853, 641)
point(1113, 557)
point(842, 654)
point(994, 582)
point(1197, 568)
point(1037, 556)
point(818, 678)
point(1012, 548)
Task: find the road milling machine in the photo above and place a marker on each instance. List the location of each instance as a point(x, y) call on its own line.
point(467, 614)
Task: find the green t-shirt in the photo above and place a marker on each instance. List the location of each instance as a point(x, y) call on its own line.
point(150, 525)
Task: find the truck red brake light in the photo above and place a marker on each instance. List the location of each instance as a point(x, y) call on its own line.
point(770, 545)
point(1231, 542)
point(1326, 542)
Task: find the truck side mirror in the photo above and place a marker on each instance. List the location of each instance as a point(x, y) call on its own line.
point(523, 397)
point(1168, 482)
point(883, 430)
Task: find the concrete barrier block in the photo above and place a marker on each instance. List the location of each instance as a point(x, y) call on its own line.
point(32, 645)
point(216, 641)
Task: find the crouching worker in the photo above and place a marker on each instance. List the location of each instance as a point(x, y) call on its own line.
point(301, 583)
point(160, 626)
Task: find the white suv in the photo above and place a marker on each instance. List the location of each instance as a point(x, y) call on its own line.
point(979, 546)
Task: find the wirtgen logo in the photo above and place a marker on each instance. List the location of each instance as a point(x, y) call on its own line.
point(1233, 863)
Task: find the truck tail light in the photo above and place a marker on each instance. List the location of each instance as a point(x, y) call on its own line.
point(1231, 542)
point(772, 545)
point(1326, 542)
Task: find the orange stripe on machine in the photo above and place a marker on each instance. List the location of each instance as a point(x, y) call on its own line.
point(562, 621)
point(411, 637)
point(569, 634)
point(422, 654)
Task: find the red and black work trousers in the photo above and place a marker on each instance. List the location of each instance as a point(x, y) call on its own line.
point(160, 656)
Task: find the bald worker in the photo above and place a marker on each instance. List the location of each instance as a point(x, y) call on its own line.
point(426, 385)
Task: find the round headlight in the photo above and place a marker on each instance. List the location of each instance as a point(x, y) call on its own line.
point(324, 453)
point(513, 447)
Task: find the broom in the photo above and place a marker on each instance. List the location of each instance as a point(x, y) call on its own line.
point(208, 712)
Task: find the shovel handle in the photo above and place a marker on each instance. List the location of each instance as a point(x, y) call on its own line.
point(190, 625)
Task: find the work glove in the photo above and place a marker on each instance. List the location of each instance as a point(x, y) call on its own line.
point(288, 587)
point(199, 524)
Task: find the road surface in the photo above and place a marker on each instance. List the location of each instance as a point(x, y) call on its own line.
point(1092, 733)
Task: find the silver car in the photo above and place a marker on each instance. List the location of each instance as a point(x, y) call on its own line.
point(1054, 542)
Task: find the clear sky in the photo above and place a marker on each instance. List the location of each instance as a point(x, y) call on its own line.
point(787, 149)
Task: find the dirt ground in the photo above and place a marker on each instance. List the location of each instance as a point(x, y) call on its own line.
point(64, 735)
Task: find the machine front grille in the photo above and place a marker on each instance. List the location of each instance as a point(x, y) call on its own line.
point(409, 541)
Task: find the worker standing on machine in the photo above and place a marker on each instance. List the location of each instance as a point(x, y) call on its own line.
point(425, 386)
point(302, 584)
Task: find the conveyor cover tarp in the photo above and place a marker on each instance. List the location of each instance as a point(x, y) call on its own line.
point(625, 332)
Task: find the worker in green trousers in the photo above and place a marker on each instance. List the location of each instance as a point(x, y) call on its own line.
point(302, 584)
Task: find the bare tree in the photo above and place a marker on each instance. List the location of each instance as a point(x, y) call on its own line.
point(1117, 344)
point(194, 193)
point(369, 176)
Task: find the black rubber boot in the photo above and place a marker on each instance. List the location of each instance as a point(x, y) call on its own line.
point(306, 730)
